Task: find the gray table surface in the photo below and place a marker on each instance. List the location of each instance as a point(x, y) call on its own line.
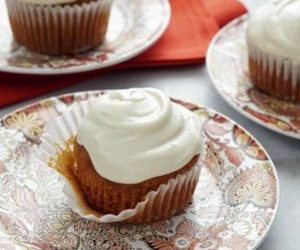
point(192, 83)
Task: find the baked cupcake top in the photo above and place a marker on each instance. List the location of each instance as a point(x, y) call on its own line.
point(275, 28)
point(137, 134)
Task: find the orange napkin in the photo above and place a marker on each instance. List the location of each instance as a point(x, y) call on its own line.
point(193, 24)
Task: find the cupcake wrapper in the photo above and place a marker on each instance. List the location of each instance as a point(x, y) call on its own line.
point(59, 29)
point(277, 76)
point(169, 199)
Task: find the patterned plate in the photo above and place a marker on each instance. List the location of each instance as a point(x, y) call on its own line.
point(228, 68)
point(233, 208)
point(134, 26)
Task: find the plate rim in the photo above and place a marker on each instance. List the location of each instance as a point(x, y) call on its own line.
point(226, 98)
point(87, 68)
point(276, 207)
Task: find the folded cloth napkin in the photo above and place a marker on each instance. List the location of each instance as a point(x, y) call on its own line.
point(193, 24)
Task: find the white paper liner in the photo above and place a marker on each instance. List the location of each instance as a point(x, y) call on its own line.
point(65, 126)
point(59, 29)
point(287, 71)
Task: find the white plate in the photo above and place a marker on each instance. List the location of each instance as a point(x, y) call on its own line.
point(234, 205)
point(227, 66)
point(134, 26)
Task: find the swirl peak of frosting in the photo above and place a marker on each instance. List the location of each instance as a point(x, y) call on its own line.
point(137, 134)
point(275, 28)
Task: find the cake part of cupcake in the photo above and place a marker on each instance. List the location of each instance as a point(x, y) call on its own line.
point(274, 48)
point(130, 143)
point(59, 27)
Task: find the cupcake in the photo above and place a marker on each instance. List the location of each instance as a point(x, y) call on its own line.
point(129, 144)
point(274, 49)
point(59, 27)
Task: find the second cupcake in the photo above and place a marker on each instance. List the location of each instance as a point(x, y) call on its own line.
point(274, 49)
point(59, 27)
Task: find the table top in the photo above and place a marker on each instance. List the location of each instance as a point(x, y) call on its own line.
point(192, 83)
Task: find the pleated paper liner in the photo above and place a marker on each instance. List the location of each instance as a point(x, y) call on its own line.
point(275, 75)
point(60, 29)
point(56, 151)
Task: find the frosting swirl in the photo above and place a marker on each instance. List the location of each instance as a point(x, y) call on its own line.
point(137, 134)
point(275, 28)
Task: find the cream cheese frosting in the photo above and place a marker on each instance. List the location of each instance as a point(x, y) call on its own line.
point(48, 2)
point(275, 28)
point(137, 134)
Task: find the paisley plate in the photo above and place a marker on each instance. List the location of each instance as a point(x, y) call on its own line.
point(233, 208)
point(134, 26)
point(228, 68)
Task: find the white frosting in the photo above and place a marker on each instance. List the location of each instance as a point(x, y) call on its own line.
point(275, 28)
point(137, 134)
point(47, 2)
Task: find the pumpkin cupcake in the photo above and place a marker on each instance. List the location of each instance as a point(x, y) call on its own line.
point(59, 27)
point(130, 143)
point(274, 49)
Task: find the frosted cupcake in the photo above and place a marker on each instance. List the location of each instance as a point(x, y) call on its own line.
point(274, 49)
point(129, 144)
point(59, 27)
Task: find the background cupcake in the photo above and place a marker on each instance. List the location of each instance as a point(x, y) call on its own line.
point(59, 26)
point(274, 49)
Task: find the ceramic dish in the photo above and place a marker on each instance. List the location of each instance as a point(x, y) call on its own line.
point(233, 208)
point(134, 26)
point(227, 65)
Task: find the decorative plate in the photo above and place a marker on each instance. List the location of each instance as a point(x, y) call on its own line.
point(233, 208)
point(227, 65)
point(134, 26)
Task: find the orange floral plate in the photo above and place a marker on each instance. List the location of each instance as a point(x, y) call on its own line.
point(228, 68)
point(134, 26)
point(233, 207)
